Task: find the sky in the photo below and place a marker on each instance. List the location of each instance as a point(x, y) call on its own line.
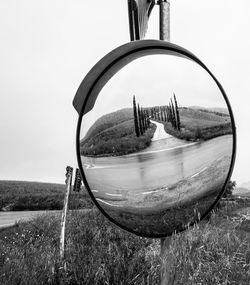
point(47, 47)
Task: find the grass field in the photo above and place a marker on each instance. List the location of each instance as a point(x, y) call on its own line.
point(114, 134)
point(214, 252)
point(23, 195)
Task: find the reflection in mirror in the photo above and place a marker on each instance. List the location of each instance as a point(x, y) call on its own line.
point(156, 148)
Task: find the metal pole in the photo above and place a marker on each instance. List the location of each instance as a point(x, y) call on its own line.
point(168, 262)
point(65, 208)
point(167, 258)
point(164, 20)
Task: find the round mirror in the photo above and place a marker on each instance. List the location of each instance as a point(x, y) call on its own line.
point(156, 138)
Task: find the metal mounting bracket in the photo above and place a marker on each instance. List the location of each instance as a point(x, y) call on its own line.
point(139, 12)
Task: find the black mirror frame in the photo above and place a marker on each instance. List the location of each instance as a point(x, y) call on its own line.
point(99, 75)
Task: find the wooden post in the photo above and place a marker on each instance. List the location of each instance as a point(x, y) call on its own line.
point(68, 182)
point(168, 262)
point(78, 181)
point(76, 189)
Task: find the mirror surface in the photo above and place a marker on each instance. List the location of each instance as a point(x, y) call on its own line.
point(156, 148)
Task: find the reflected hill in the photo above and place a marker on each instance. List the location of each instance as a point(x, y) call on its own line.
point(108, 121)
point(215, 110)
point(201, 124)
point(114, 134)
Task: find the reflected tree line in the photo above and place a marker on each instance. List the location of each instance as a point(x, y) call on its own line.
point(169, 113)
point(141, 118)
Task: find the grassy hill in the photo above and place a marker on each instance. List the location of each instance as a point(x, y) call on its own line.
point(108, 121)
point(198, 123)
point(12, 187)
point(246, 185)
point(201, 118)
point(223, 111)
point(205, 123)
point(114, 134)
point(242, 191)
point(24, 195)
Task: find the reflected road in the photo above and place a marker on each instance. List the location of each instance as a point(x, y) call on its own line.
point(165, 162)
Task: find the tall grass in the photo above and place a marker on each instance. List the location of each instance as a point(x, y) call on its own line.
point(97, 252)
point(214, 253)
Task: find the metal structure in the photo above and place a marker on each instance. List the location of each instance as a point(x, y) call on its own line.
point(164, 20)
point(139, 12)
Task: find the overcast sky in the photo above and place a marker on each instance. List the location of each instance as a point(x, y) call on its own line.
point(47, 47)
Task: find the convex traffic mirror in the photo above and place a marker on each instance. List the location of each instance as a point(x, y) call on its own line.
point(155, 139)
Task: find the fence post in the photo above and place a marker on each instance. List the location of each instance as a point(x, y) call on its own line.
point(76, 189)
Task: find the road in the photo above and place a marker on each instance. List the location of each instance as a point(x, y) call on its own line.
point(166, 162)
point(159, 132)
point(8, 219)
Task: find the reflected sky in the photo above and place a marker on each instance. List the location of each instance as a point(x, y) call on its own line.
point(192, 85)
